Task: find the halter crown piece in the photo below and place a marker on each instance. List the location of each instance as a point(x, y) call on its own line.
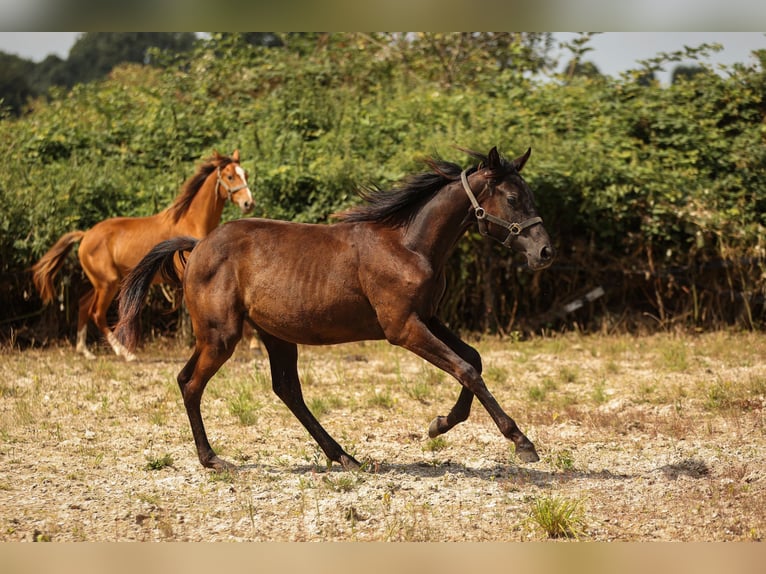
point(229, 190)
point(483, 217)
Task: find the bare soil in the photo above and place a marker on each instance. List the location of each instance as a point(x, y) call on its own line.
point(648, 438)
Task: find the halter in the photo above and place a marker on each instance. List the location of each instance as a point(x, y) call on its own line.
point(229, 190)
point(514, 229)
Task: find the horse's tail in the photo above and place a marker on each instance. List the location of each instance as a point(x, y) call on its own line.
point(134, 287)
point(45, 270)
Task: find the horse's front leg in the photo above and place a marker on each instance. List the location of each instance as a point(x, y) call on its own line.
point(462, 408)
point(421, 340)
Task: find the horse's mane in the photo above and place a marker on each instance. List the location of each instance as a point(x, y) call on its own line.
point(398, 205)
point(192, 185)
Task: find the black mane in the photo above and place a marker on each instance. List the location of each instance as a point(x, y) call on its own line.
point(398, 205)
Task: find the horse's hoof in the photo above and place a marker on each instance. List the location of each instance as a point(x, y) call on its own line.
point(85, 352)
point(433, 428)
point(129, 357)
point(219, 465)
point(348, 462)
point(527, 452)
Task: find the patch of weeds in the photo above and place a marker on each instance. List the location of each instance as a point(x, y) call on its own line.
point(568, 374)
point(39, 536)
point(539, 392)
point(757, 385)
point(674, 356)
point(225, 476)
point(25, 415)
point(320, 406)
point(410, 525)
point(345, 482)
point(563, 460)
point(420, 391)
point(152, 500)
point(494, 375)
point(645, 391)
point(536, 393)
point(242, 457)
point(8, 390)
point(159, 463)
point(436, 444)
point(381, 399)
point(599, 393)
point(158, 415)
point(244, 407)
point(261, 380)
point(558, 517)
point(719, 396)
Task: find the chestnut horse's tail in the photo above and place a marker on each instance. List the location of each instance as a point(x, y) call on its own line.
point(45, 270)
point(134, 287)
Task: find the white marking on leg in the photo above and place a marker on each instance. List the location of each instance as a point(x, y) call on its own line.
point(119, 348)
point(82, 346)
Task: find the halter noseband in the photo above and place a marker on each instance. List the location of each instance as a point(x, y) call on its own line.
point(514, 229)
point(229, 190)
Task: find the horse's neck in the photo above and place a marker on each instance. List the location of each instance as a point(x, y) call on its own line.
point(205, 210)
point(442, 221)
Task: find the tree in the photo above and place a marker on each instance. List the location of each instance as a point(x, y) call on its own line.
point(14, 85)
point(583, 69)
point(94, 54)
point(685, 72)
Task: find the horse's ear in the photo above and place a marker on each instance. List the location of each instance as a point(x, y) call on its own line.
point(493, 159)
point(235, 156)
point(519, 162)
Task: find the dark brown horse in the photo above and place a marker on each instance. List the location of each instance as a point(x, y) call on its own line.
point(112, 247)
point(377, 274)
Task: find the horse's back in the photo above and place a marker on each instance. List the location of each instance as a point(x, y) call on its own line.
point(297, 281)
point(114, 246)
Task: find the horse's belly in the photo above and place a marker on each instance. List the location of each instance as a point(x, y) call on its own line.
point(313, 324)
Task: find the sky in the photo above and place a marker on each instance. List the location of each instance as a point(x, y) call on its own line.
point(613, 52)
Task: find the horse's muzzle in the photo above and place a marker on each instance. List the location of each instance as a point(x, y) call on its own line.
point(542, 259)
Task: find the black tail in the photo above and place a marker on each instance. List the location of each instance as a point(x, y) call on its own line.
point(161, 259)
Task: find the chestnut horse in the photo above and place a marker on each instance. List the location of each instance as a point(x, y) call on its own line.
point(376, 274)
point(112, 247)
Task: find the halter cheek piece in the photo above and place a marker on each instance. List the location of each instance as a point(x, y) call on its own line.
point(229, 190)
point(514, 229)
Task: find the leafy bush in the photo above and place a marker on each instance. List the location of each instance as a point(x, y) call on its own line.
point(654, 193)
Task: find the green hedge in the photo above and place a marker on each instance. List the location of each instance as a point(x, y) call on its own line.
point(657, 194)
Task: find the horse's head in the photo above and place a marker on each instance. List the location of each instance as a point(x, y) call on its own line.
point(232, 183)
point(505, 208)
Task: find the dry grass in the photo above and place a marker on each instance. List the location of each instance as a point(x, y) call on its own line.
point(651, 438)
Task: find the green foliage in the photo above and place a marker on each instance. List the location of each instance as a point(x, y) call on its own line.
point(158, 463)
point(654, 192)
point(558, 517)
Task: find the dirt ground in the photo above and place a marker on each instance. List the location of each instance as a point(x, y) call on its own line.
point(641, 438)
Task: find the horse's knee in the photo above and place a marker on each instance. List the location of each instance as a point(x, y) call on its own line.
point(473, 357)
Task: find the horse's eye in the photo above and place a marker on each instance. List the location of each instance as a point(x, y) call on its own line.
point(513, 200)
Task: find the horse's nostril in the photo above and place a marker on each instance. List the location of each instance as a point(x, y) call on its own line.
point(546, 253)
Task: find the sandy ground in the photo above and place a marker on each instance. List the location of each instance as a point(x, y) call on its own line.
point(645, 438)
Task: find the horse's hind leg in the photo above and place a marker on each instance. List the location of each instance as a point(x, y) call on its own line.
point(462, 408)
point(283, 359)
point(83, 315)
point(192, 379)
point(104, 295)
